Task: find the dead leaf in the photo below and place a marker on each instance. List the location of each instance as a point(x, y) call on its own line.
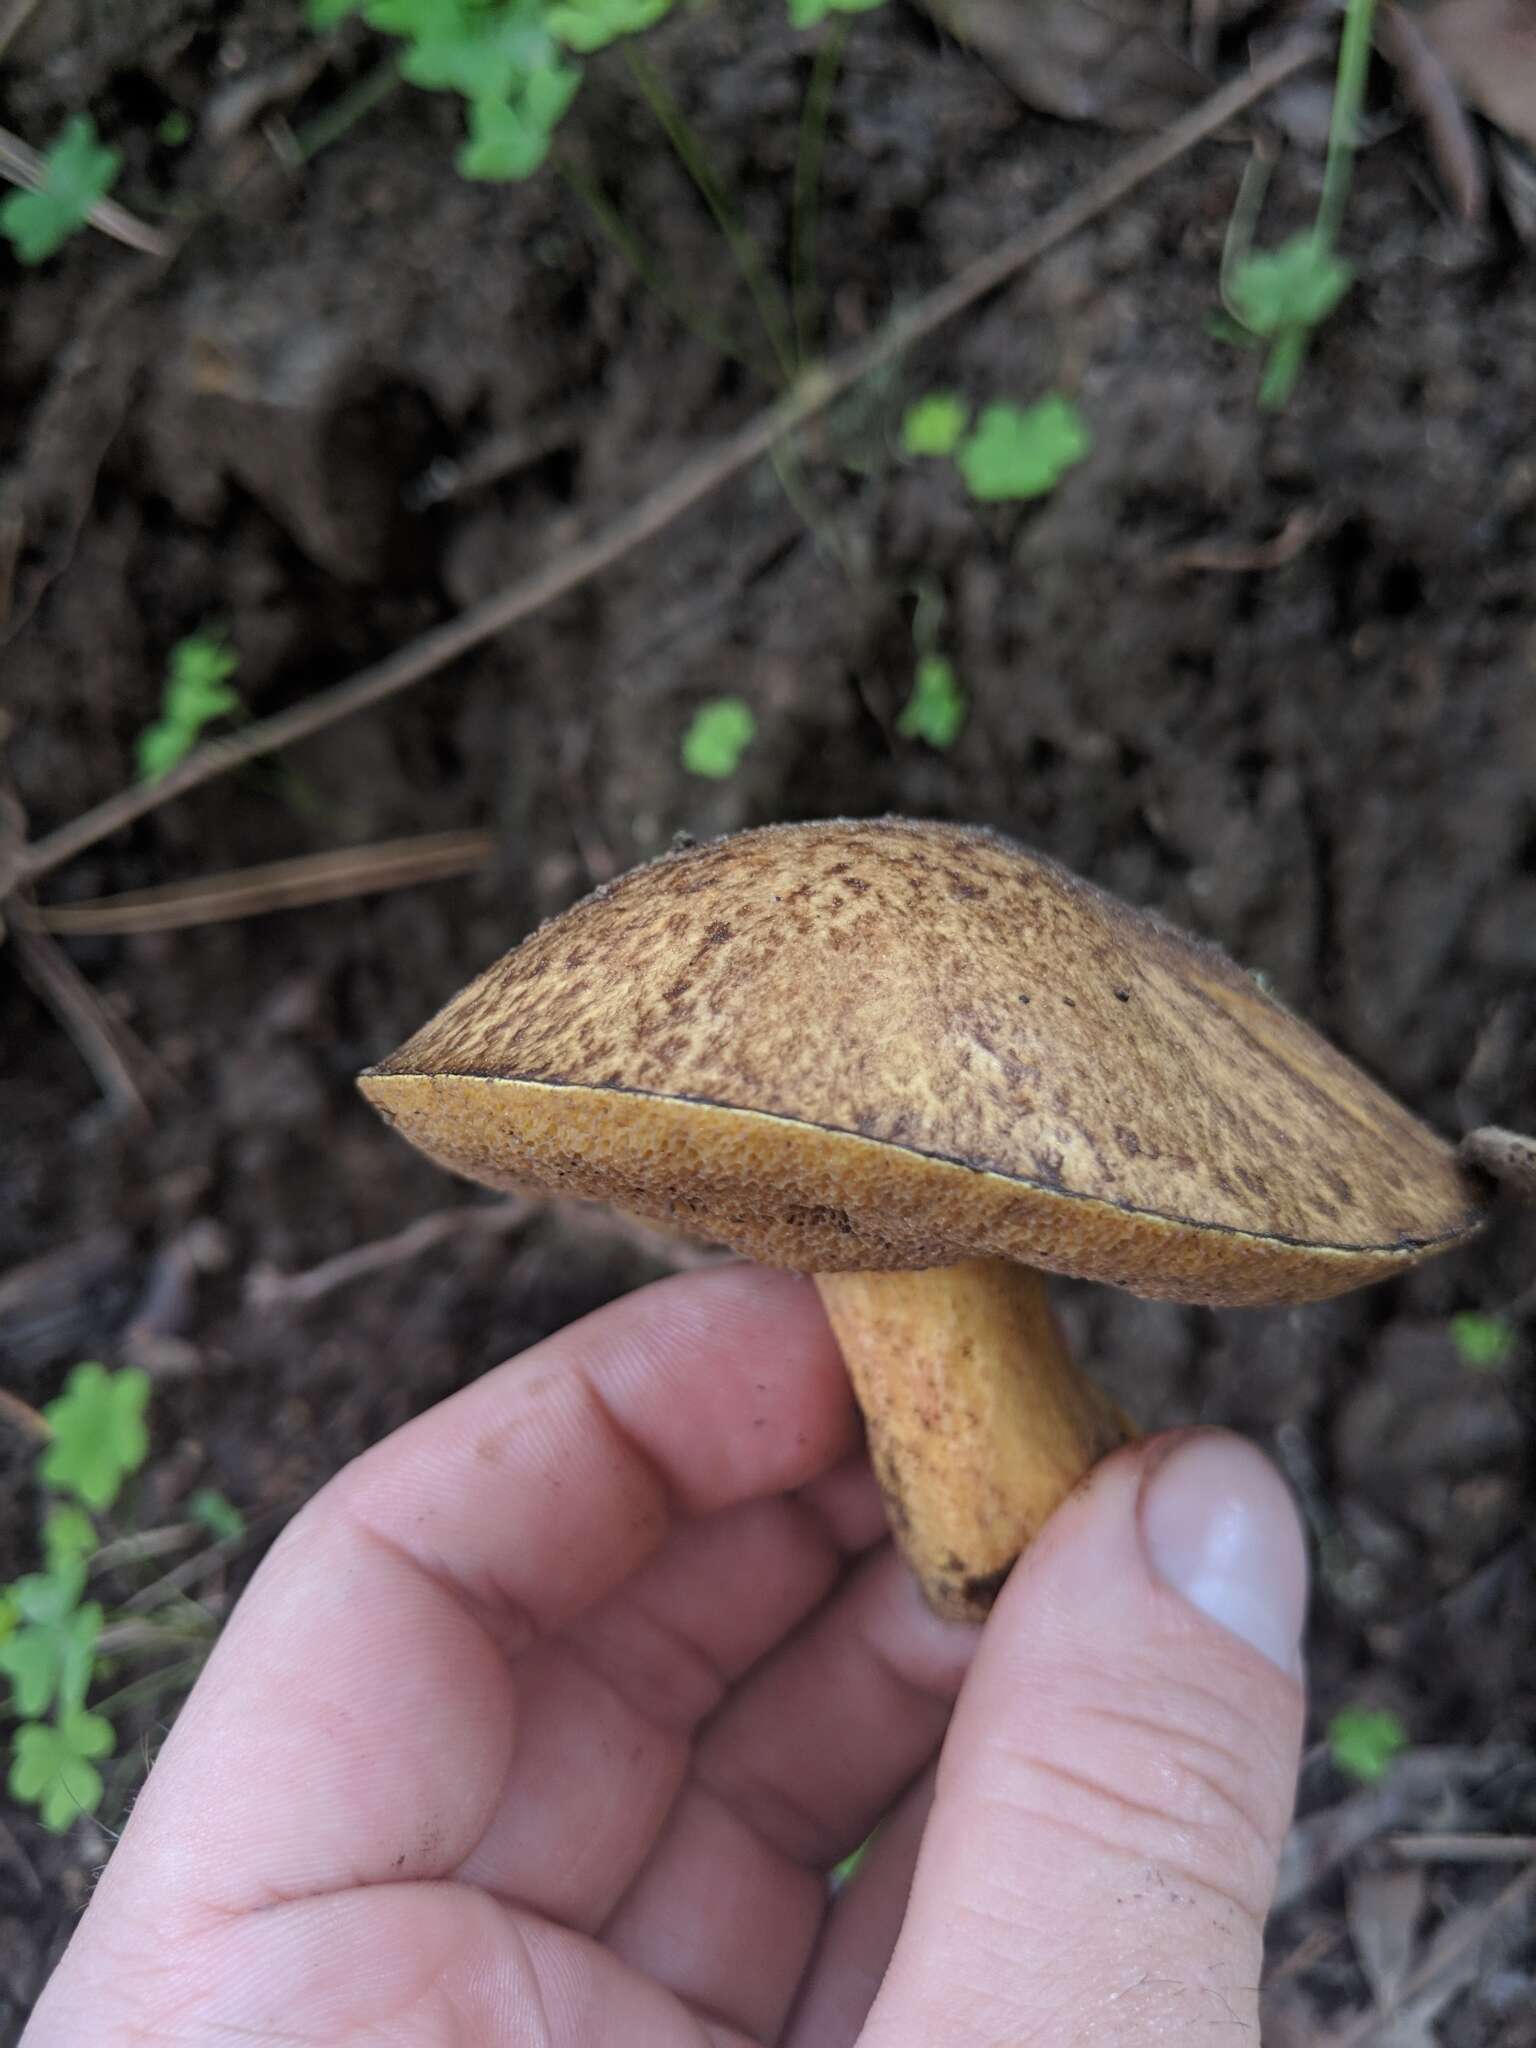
point(1102, 61)
point(1489, 48)
point(1383, 1908)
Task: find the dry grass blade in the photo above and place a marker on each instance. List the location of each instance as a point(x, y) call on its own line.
point(1467, 1946)
point(1429, 89)
point(277, 885)
point(693, 483)
point(61, 985)
point(22, 165)
point(1464, 1848)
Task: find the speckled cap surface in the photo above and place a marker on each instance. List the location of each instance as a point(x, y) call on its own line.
point(885, 1043)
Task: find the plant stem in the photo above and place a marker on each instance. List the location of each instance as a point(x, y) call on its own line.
point(344, 113)
point(804, 296)
point(744, 251)
point(1344, 124)
point(612, 224)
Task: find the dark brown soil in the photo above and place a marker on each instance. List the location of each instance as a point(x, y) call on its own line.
point(1327, 763)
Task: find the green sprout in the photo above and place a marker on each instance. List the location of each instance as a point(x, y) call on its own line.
point(48, 1655)
point(720, 733)
point(1023, 451)
point(1483, 1343)
point(196, 693)
point(1363, 1741)
point(78, 171)
point(219, 1516)
point(1281, 295)
point(50, 1634)
point(54, 1766)
point(589, 25)
point(935, 711)
point(806, 13)
point(933, 424)
point(99, 1435)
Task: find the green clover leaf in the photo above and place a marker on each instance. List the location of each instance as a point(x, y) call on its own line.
point(54, 1766)
point(933, 425)
point(1296, 285)
point(1483, 1343)
point(588, 25)
point(719, 735)
point(935, 711)
point(50, 1652)
point(1363, 1741)
point(196, 693)
point(1023, 451)
point(99, 1435)
point(77, 171)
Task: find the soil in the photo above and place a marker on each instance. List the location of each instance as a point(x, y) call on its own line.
point(1321, 753)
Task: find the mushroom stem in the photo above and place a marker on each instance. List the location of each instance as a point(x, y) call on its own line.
point(978, 1420)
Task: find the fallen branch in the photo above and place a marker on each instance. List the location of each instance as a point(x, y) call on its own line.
point(817, 389)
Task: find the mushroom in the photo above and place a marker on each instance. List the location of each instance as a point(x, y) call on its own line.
point(927, 1065)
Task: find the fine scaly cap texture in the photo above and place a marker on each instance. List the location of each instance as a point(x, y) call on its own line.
point(883, 1043)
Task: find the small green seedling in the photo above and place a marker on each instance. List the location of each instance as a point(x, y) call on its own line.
point(510, 60)
point(1363, 1741)
point(1279, 296)
point(50, 1634)
point(720, 733)
point(99, 1436)
point(1483, 1343)
point(1023, 451)
point(219, 1516)
point(935, 711)
point(78, 171)
point(54, 1765)
point(174, 129)
point(196, 693)
point(933, 424)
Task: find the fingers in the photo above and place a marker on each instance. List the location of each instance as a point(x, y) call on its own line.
point(358, 1721)
point(1119, 1774)
point(394, 1963)
point(792, 1773)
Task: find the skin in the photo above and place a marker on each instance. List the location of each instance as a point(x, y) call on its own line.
point(544, 1721)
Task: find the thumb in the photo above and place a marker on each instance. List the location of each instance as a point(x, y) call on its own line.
point(1119, 1773)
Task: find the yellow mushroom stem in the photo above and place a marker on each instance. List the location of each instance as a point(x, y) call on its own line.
point(979, 1423)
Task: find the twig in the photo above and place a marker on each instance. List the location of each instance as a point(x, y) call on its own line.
point(78, 1008)
point(277, 885)
point(697, 480)
point(13, 20)
point(1463, 1848)
point(267, 1289)
point(145, 1543)
point(26, 1418)
point(22, 165)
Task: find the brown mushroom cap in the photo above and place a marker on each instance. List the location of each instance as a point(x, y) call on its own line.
point(877, 1044)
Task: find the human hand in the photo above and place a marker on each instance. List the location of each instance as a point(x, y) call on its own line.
point(545, 1720)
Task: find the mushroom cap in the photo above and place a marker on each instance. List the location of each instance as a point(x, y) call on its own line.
point(884, 1043)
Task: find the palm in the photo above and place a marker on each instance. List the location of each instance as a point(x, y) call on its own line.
point(549, 1720)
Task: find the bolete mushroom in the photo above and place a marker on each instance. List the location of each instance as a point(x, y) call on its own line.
point(923, 1064)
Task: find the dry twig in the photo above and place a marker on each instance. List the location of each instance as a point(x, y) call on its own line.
point(329, 877)
point(21, 165)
